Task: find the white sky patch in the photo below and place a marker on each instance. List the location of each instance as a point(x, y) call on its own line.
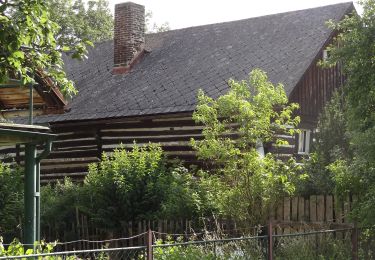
point(187, 13)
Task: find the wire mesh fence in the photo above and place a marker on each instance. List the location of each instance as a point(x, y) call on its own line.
point(345, 243)
point(326, 244)
point(321, 244)
point(235, 248)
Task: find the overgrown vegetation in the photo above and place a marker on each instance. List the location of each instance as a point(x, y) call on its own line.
point(129, 185)
point(254, 111)
point(331, 144)
point(17, 249)
point(11, 201)
point(353, 165)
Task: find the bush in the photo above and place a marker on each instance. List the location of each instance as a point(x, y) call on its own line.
point(11, 201)
point(16, 249)
point(58, 206)
point(128, 186)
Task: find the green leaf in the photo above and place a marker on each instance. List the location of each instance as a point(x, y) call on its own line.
point(18, 54)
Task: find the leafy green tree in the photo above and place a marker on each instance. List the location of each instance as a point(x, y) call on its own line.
point(331, 144)
point(354, 49)
point(28, 47)
point(155, 28)
point(78, 20)
point(254, 111)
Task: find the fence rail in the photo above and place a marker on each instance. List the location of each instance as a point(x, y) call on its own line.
point(321, 244)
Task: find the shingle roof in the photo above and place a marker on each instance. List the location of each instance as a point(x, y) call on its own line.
point(182, 61)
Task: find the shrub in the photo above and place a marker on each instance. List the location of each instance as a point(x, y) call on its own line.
point(16, 249)
point(11, 201)
point(139, 185)
point(58, 206)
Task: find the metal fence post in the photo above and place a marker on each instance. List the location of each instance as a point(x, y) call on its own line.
point(215, 249)
point(149, 241)
point(270, 242)
point(354, 237)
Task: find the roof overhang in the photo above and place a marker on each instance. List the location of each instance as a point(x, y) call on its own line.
point(15, 98)
point(12, 134)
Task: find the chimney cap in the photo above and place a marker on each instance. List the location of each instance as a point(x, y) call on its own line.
point(128, 3)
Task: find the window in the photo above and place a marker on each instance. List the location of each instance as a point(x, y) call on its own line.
point(260, 148)
point(304, 141)
point(325, 55)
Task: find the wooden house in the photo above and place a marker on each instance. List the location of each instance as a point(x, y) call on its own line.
point(143, 87)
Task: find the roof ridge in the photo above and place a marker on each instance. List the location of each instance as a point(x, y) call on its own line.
point(254, 17)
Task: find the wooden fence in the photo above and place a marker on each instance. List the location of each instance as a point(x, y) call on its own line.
point(295, 214)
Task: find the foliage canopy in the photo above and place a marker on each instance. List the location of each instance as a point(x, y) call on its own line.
point(252, 112)
point(28, 45)
point(354, 49)
point(79, 21)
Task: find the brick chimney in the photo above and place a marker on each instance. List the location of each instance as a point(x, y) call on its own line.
point(129, 36)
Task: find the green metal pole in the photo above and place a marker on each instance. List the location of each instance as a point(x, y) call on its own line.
point(46, 151)
point(30, 184)
point(29, 196)
point(37, 201)
point(31, 105)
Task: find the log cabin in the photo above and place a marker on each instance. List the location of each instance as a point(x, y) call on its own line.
point(143, 87)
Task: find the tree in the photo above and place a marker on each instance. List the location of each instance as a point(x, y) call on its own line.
point(28, 45)
point(331, 144)
point(253, 112)
point(155, 27)
point(354, 49)
point(78, 22)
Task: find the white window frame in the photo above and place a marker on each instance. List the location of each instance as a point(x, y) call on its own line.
point(304, 140)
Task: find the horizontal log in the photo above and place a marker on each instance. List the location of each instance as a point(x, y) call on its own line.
point(75, 143)
point(74, 136)
point(75, 148)
point(135, 125)
point(63, 170)
point(75, 154)
point(8, 150)
point(151, 139)
point(69, 162)
point(151, 132)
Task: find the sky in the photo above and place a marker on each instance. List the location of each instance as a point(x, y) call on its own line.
point(187, 13)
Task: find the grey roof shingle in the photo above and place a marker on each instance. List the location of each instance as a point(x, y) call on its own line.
point(182, 61)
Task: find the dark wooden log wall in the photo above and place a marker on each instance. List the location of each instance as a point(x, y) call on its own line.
point(314, 89)
point(81, 143)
